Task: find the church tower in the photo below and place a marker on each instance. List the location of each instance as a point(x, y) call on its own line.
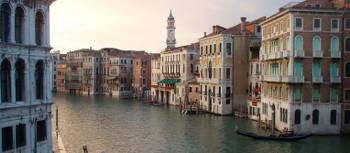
point(171, 41)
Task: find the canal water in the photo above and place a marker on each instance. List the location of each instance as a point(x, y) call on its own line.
point(111, 125)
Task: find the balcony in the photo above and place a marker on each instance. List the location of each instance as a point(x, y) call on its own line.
point(335, 54)
point(293, 79)
point(286, 54)
point(335, 79)
point(299, 53)
point(317, 79)
point(317, 54)
point(270, 78)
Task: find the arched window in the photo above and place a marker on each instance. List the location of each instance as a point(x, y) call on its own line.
point(297, 116)
point(333, 117)
point(334, 44)
point(299, 43)
point(5, 22)
point(20, 87)
point(19, 25)
point(5, 80)
point(347, 70)
point(315, 116)
point(39, 79)
point(39, 28)
point(316, 44)
point(210, 70)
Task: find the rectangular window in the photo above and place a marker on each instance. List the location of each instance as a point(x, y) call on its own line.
point(298, 23)
point(214, 48)
point(298, 68)
point(7, 139)
point(334, 69)
point(228, 101)
point(347, 44)
point(346, 116)
point(220, 48)
point(334, 94)
point(20, 135)
point(41, 131)
point(317, 24)
point(335, 24)
point(297, 94)
point(228, 48)
point(347, 95)
point(347, 23)
point(228, 73)
point(316, 93)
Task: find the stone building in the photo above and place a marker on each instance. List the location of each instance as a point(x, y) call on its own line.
point(61, 78)
point(57, 58)
point(304, 48)
point(224, 67)
point(25, 74)
point(156, 73)
point(142, 74)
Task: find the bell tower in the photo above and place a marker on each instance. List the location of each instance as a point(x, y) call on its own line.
point(171, 41)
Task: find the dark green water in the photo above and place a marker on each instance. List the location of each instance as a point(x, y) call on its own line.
point(110, 125)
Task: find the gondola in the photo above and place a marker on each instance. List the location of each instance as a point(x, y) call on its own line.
point(272, 137)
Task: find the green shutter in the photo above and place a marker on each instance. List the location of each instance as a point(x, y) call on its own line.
point(298, 68)
point(334, 69)
point(316, 93)
point(334, 94)
point(297, 93)
point(316, 69)
point(316, 43)
point(335, 44)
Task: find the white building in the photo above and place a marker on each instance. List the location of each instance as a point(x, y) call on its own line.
point(25, 97)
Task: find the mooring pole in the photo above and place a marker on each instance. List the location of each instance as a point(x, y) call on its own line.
point(57, 122)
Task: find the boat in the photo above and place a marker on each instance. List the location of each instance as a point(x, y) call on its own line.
point(289, 137)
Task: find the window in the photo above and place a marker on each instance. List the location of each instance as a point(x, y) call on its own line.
point(20, 135)
point(298, 23)
point(299, 44)
point(335, 24)
point(201, 50)
point(316, 44)
point(347, 44)
point(347, 23)
point(191, 68)
point(316, 69)
point(5, 16)
point(228, 92)
point(258, 29)
point(333, 117)
point(347, 94)
point(19, 22)
point(334, 69)
point(315, 117)
point(347, 69)
point(297, 116)
point(346, 117)
point(191, 56)
point(228, 73)
point(316, 93)
point(298, 68)
point(334, 44)
point(220, 48)
point(39, 28)
point(228, 101)
point(41, 131)
point(214, 48)
point(7, 139)
point(19, 75)
point(334, 94)
point(297, 94)
point(5, 74)
point(228, 48)
point(317, 24)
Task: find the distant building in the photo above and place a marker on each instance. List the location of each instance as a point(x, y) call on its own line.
point(142, 74)
point(171, 40)
point(156, 72)
point(224, 67)
point(57, 58)
point(305, 67)
point(60, 80)
point(25, 74)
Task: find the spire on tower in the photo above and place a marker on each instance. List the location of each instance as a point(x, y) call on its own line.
point(171, 14)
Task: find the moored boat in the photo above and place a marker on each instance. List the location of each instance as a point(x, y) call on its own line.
point(273, 137)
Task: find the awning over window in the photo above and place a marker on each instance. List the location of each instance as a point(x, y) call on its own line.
point(168, 81)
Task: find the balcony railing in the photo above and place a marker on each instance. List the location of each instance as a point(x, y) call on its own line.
point(317, 54)
point(317, 79)
point(335, 54)
point(293, 79)
point(335, 79)
point(299, 53)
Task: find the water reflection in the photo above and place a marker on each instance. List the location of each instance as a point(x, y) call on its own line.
point(112, 125)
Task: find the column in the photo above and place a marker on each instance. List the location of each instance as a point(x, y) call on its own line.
point(12, 26)
point(45, 82)
point(49, 133)
point(13, 85)
point(26, 84)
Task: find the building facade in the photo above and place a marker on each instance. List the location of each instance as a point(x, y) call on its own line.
point(224, 67)
point(302, 57)
point(25, 74)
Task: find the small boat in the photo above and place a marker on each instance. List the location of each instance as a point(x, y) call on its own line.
point(272, 137)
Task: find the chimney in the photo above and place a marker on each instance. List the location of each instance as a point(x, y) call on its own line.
point(205, 34)
point(90, 48)
point(243, 24)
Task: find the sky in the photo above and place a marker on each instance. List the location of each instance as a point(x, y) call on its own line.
point(141, 24)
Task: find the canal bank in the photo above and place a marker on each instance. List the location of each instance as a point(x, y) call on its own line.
point(112, 125)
